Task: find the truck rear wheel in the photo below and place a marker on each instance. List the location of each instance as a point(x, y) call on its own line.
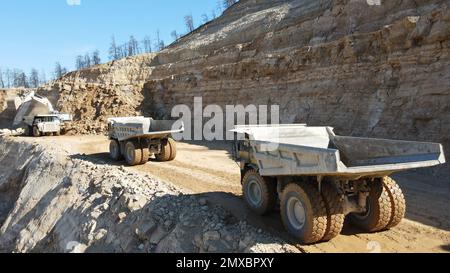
point(398, 202)
point(168, 151)
point(303, 212)
point(173, 149)
point(145, 155)
point(334, 201)
point(259, 192)
point(114, 150)
point(36, 132)
point(133, 155)
point(378, 209)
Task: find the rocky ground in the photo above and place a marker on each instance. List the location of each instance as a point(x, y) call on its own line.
point(54, 201)
point(62, 194)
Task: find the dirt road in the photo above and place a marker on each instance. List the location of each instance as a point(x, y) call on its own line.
point(207, 168)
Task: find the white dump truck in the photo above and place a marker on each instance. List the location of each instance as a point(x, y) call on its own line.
point(138, 138)
point(36, 115)
point(319, 178)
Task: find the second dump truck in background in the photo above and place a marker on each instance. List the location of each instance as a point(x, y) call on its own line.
point(319, 178)
point(137, 138)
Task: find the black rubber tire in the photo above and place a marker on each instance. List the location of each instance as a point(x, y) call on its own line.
point(115, 152)
point(334, 204)
point(133, 154)
point(36, 132)
point(168, 151)
point(398, 202)
point(378, 216)
point(268, 192)
point(315, 224)
point(28, 131)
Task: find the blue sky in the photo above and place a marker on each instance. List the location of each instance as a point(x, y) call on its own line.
point(37, 33)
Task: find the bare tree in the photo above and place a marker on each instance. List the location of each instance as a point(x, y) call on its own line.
point(96, 58)
point(20, 79)
point(213, 14)
point(174, 35)
point(42, 77)
point(133, 46)
point(79, 63)
point(34, 78)
point(87, 60)
point(59, 70)
point(228, 3)
point(2, 83)
point(219, 6)
point(189, 22)
point(159, 42)
point(147, 44)
point(9, 78)
point(205, 18)
point(113, 50)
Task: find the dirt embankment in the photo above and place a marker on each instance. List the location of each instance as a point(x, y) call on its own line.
point(56, 198)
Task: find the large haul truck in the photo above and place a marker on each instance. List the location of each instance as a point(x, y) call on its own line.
point(138, 138)
point(319, 178)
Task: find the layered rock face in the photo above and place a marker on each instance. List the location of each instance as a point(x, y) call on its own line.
point(367, 68)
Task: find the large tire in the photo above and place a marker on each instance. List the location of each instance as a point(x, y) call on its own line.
point(145, 155)
point(133, 154)
point(114, 150)
point(303, 212)
point(398, 202)
point(334, 204)
point(28, 131)
point(168, 151)
point(379, 209)
point(259, 192)
point(173, 149)
point(36, 132)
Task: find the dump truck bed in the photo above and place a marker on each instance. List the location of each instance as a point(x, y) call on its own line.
point(289, 150)
point(124, 129)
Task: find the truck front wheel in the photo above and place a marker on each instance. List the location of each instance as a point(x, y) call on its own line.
point(334, 203)
point(28, 131)
point(303, 212)
point(259, 192)
point(133, 154)
point(36, 132)
point(114, 150)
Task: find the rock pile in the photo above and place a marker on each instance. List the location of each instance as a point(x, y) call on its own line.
point(54, 202)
